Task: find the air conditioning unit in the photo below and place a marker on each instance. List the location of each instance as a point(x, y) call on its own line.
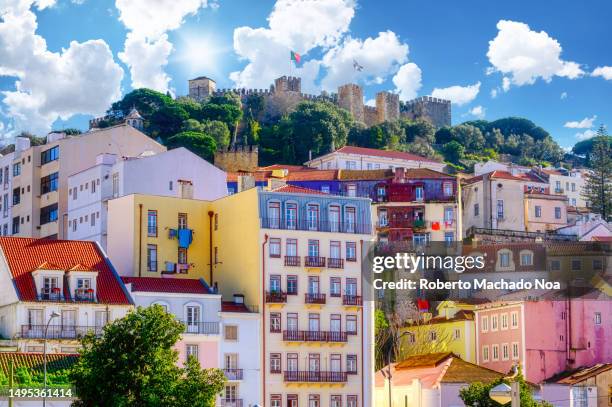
point(170, 267)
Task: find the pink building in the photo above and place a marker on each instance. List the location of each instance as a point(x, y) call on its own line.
point(546, 337)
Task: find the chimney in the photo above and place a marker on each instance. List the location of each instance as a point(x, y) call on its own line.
point(106, 158)
point(185, 189)
point(399, 175)
point(55, 135)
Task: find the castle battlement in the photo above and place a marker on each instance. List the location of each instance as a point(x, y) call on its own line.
point(427, 99)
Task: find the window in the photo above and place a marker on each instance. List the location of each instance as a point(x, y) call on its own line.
point(93, 187)
point(16, 169)
point(275, 283)
point(485, 353)
point(505, 352)
point(449, 214)
point(576, 265)
point(598, 318)
point(5, 205)
point(276, 400)
point(448, 189)
point(504, 259)
point(48, 214)
point(515, 351)
point(597, 264)
point(325, 189)
point(504, 321)
point(151, 257)
point(275, 247)
point(526, 259)
point(335, 323)
point(449, 237)
point(292, 285)
point(334, 249)
point(274, 215)
point(275, 322)
point(292, 321)
point(500, 209)
point(514, 319)
point(555, 265)
point(314, 322)
point(291, 215)
point(351, 401)
point(495, 349)
point(275, 363)
point(383, 219)
point(49, 155)
point(350, 219)
point(351, 190)
point(231, 394)
point(494, 320)
point(476, 209)
point(115, 184)
point(433, 335)
point(182, 221)
point(292, 248)
point(350, 165)
point(313, 248)
point(93, 219)
point(230, 332)
point(74, 225)
point(538, 211)
point(182, 256)
point(292, 399)
point(351, 251)
point(557, 212)
point(351, 364)
point(573, 187)
point(312, 216)
point(152, 223)
point(351, 286)
point(16, 196)
point(191, 350)
point(335, 401)
point(351, 324)
point(419, 193)
point(292, 362)
point(335, 287)
point(314, 400)
point(457, 334)
point(49, 183)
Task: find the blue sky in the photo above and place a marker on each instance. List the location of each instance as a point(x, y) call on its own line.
point(544, 60)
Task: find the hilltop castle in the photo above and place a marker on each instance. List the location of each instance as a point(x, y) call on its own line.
point(286, 92)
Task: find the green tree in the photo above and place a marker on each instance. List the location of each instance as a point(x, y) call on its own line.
point(228, 113)
point(453, 151)
point(193, 125)
point(167, 121)
point(422, 147)
point(218, 131)
point(193, 108)
point(146, 101)
point(198, 143)
point(444, 135)
point(419, 129)
point(134, 364)
point(469, 136)
point(585, 147)
point(494, 139)
point(478, 394)
point(598, 187)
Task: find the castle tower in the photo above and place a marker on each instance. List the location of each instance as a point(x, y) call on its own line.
point(387, 107)
point(350, 97)
point(434, 110)
point(201, 88)
point(135, 120)
point(288, 84)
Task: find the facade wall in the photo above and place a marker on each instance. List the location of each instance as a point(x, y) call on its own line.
point(545, 214)
point(6, 162)
point(343, 161)
point(571, 186)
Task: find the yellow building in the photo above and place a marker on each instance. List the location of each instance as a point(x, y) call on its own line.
point(295, 256)
point(453, 330)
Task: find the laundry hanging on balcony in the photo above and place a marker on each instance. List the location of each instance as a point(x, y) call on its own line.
point(185, 237)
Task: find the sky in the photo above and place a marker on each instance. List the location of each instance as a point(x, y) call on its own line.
point(64, 61)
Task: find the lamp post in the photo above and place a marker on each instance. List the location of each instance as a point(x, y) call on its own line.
point(388, 375)
point(53, 315)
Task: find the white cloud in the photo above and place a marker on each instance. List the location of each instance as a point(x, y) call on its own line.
point(371, 102)
point(147, 48)
point(379, 57)
point(459, 95)
point(478, 111)
point(523, 55)
point(407, 81)
point(494, 93)
point(563, 95)
point(585, 123)
point(603, 71)
point(82, 78)
point(587, 134)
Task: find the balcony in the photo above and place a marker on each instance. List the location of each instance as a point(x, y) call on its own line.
point(314, 261)
point(59, 331)
point(293, 261)
point(231, 403)
point(315, 377)
point(201, 328)
point(352, 300)
point(234, 374)
point(312, 298)
point(320, 226)
point(276, 297)
point(84, 295)
point(314, 336)
point(51, 294)
point(335, 263)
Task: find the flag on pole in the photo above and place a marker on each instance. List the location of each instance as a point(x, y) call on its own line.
point(296, 57)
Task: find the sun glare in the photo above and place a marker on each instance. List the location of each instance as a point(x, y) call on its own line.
point(200, 54)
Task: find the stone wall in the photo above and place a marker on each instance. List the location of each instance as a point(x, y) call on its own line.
point(434, 110)
point(238, 159)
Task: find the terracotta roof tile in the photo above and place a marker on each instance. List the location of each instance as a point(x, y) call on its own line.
point(230, 306)
point(80, 267)
point(427, 360)
point(399, 155)
point(460, 371)
point(284, 167)
point(313, 175)
point(24, 255)
point(581, 374)
point(346, 175)
point(167, 285)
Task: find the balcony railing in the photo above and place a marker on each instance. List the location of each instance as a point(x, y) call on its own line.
point(315, 376)
point(321, 226)
point(335, 263)
point(231, 403)
point(233, 374)
point(201, 328)
point(314, 261)
point(276, 297)
point(84, 294)
point(59, 331)
point(314, 298)
point(315, 336)
point(51, 294)
point(292, 261)
point(351, 300)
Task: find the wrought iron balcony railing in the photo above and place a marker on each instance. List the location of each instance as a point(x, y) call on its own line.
point(84, 294)
point(315, 336)
point(201, 328)
point(293, 261)
point(59, 331)
point(351, 300)
point(233, 374)
point(316, 225)
point(276, 297)
point(315, 376)
point(314, 261)
point(335, 263)
point(314, 298)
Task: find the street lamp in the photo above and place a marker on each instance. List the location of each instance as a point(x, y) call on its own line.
point(388, 375)
point(54, 314)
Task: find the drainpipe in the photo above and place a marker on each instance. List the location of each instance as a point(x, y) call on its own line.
point(210, 244)
point(140, 240)
point(363, 339)
point(263, 317)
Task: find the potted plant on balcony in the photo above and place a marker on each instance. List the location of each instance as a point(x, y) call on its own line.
point(419, 224)
point(55, 290)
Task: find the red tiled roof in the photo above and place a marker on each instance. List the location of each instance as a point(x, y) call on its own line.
point(493, 175)
point(259, 175)
point(47, 266)
point(284, 167)
point(23, 255)
point(551, 172)
point(602, 238)
point(167, 285)
point(292, 189)
point(80, 267)
point(400, 155)
point(230, 306)
point(34, 361)
point(313, 175)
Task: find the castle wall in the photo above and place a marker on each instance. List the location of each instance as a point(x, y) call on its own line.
point(434, 110)
point(238, 159)
point(350, 97)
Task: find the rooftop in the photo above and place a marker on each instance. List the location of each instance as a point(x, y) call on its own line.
point(168, 285)
point(34, 361)
point(581, 374)
point(398, 155)
point(292, 189)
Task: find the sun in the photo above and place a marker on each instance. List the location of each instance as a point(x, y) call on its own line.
point(200, 54)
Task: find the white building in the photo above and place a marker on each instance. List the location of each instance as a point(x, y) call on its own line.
point(492, 165)
point(178, 173)
point(6, 187)
point(360, 158)
point(219, 334)
point(569, 183)
point(70, 285)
